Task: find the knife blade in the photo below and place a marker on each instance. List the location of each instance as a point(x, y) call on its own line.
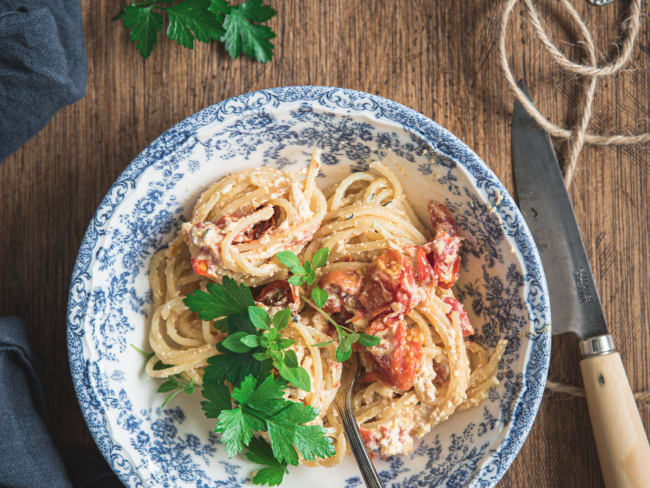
point(546, 207)
point(621, 440)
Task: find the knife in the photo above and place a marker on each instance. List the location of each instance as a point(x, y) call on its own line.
point(621, 440)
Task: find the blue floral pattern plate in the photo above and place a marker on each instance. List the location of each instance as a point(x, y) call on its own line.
point(502, 285)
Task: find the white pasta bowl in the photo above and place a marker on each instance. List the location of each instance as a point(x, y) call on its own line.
point(501, 285)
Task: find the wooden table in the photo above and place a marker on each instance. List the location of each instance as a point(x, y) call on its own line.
point(436, 57)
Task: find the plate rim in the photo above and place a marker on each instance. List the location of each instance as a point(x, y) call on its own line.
point(500, 458)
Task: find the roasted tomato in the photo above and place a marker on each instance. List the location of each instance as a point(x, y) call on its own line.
point(442, 251)
point(397, 358)
point(278, 293)
point(440, 214)
point(342, 287)
point(200, 267)
point(444, 258)
point(258, 230)
point(456, 306)
point(424, 272)
point(389, 279)
point(442, 374)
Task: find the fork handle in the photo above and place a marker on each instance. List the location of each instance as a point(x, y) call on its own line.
point(368, 472)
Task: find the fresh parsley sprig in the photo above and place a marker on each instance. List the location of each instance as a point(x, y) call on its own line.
point(254, 341)
point(275, 346)
point(305, 274)
point(254, 346)
point(261, 407)
point(237, 26)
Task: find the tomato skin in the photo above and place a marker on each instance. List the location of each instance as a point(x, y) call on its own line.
point(424, 273)
point(456, 306)
point(397, 362)
point(442, 251)
point(200, 267)
point(342, 287)
point(278, 293)
point(389, 279)
point(440, 214)
point(442, 374)
point(258, 230)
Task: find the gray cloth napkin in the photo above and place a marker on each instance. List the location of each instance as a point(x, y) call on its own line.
point(43, 65)
point(27, 457)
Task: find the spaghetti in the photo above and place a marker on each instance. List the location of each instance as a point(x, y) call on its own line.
point(388, 275)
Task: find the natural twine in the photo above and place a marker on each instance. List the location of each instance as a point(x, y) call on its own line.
point(577, 136)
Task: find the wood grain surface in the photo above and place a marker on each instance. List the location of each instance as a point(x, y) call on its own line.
point(438, 57)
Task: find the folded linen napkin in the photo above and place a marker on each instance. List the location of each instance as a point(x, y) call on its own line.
point(28, 459)
point(43, 65)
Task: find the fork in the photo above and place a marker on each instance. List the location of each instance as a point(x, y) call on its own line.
point(368, 471)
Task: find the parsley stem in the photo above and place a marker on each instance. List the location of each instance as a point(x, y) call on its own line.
point(327, 316)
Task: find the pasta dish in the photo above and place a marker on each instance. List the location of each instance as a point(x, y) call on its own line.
point(387, 275)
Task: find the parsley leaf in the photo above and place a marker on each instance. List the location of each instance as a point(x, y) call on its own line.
point(234, 367)
point(176, 384)
point(239, 323)
point(228, 298)
point(234, 342)
point(190, 19)
point(271, 475)
point(144, 25)
point(369, 340)
point(236, 431)
point(281, 318)
point(217, 398)
point(319, 296)
point(259, 451)
point(243, 392)
point(204, 20)
point(320, 257)
point(243, 34)
point(263, 408)
point(259, 317)
point(291, 261)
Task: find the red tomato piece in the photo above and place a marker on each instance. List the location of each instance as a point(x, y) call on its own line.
point(342, 287)
point(258, 230)
point(397, 358)
point(278, 293)
point(200, 267)
point(456, 306)
point(389, 279)
point(442, 374)
point(443, 249)
point(424, 273)
point(440, 214)
point(443, 256)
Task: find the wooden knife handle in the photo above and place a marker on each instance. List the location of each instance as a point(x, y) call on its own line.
point(620, 437)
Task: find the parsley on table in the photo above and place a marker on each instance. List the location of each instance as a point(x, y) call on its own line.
point(239, 27)
point(306, 274)
point(261, 407)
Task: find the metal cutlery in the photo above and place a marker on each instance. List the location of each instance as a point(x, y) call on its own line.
point(621, 440)
point(368, 471)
